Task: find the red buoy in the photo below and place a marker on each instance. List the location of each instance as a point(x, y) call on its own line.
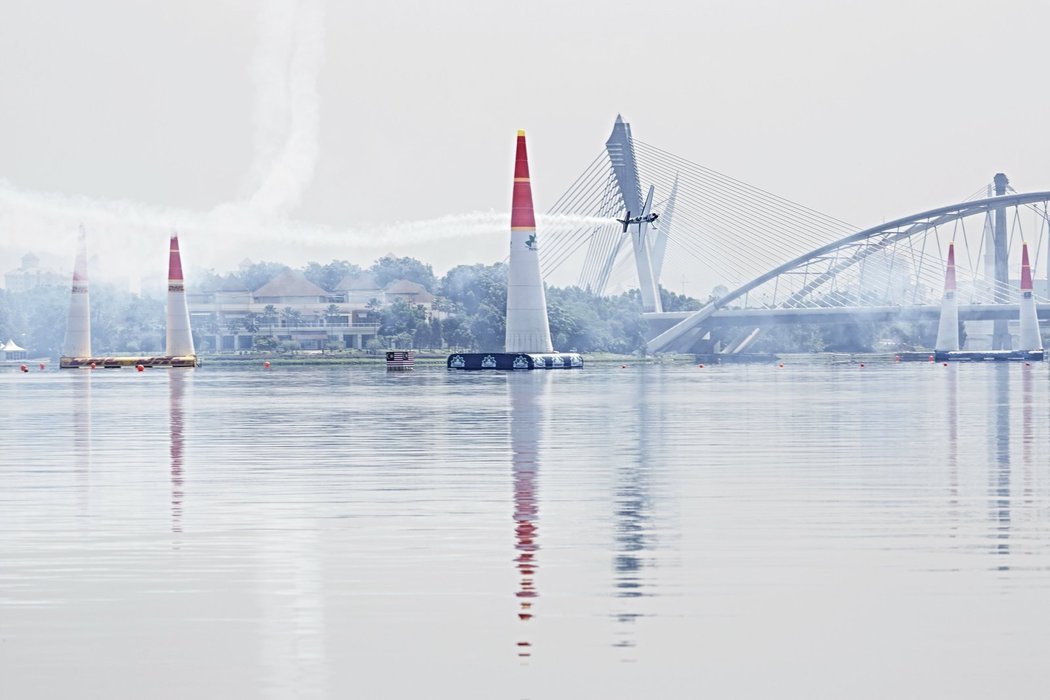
point(92, 365)
point(896, 358)
point(42, 366)
point(701, 365)
point(139, 367)
point(23, 368)
point(861, 364)
point(781, 365)
point(931, 358)
point(945, 364)
point(266, 364)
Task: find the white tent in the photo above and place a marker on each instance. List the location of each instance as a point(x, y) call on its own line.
point(13, 352)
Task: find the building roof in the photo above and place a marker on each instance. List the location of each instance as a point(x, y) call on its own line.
point(231, 284)
point(290, 283)
point(362, 281)
point(415, 290)
point(12, 347)
point(405, 287)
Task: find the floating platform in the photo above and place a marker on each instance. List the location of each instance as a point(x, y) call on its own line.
point(400, 360)
point(974, 356)
point(118, 362)
point(989, 356)
point(515, 360)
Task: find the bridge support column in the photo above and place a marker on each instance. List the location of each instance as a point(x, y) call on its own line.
point(1000, 330)
point(647, 284)
point(620, 148)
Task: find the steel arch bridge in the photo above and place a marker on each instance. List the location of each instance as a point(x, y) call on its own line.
point(779, 262)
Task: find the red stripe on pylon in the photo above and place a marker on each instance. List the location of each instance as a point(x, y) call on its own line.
point(174, 260)
point(1026, 270)
point(521, 213)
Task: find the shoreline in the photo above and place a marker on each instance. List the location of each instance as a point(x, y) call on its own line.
point(379, 358)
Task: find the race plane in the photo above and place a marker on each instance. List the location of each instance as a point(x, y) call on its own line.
point(647, 216)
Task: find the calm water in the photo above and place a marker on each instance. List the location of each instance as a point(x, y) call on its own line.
point(670, 532)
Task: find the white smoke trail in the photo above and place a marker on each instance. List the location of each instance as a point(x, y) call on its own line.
point(125, 233)
point(287, 111)
point(271, 112)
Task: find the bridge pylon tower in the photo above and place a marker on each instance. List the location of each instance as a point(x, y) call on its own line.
point(620, 148)
point(1000, 332)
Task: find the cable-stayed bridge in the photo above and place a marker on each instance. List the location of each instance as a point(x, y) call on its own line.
point(777, 261)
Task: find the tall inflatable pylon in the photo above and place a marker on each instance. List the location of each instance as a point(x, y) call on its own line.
point(179, 338)
point(1029, 327)
point(528, 329)
point(948, 328)
point(77, 342)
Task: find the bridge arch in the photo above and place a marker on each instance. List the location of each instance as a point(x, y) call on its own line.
point(849, 251)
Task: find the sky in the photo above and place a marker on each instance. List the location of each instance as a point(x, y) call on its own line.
point(298, 130)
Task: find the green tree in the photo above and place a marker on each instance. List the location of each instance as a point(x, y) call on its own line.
point(457, 333)
point(292, 317)
point(265, 343)
point(402, 317)
point(470, 287)
point(389, 269)
point(436, 339)
point(678, 302)
point(488, 328)
point(252, 275)
point(328, 276)
point(270, 316)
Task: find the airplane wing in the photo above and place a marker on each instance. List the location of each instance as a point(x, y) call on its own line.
point(625, 220)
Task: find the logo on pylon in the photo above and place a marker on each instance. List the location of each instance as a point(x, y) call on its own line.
point(531, 243)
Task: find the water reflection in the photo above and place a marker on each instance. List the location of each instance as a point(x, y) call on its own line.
point(1027, 437)
point(632, 503)
point(527, 408)
point(999, 440)
point(82, 435)
point(952, 414)
point(176, 379)
point(292, 607)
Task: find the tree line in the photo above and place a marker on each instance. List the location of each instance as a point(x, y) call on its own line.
point(471, 301)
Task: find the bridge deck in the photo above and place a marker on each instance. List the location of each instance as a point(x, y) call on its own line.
point(758, 317)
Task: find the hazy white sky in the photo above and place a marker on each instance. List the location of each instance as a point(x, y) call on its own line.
point(322, 125)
